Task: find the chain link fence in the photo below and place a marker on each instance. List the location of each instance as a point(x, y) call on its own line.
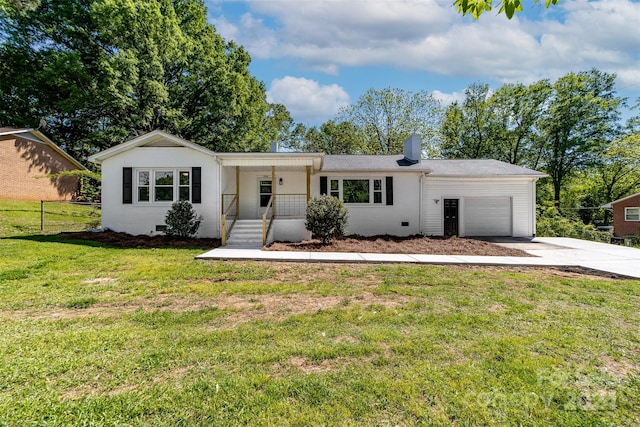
point(58, 216)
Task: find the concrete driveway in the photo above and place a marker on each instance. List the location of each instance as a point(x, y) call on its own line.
point(598, 256)
point(547, 251)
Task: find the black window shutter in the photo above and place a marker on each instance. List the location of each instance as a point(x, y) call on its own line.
point(389, 185)
point(127, 186)
point(196, 185)
point(323, 185)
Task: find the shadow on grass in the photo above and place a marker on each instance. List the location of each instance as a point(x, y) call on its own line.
point(111, 239)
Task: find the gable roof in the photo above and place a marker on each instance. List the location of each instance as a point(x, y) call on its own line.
point(36, 135)
point(156, 138)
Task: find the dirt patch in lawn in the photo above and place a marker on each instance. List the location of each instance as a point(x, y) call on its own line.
point(402, 245)
point(237, 309)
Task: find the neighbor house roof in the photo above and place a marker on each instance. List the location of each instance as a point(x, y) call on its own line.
point(36, 135)
point(12, 131)
point(610, 204)
point(434, 167)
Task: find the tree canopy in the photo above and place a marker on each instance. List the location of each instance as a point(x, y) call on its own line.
point(102, 71)
point(385, 118)
point(508, 7)
point(562, 127)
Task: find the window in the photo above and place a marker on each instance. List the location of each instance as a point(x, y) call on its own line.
point(335, 188)
point(163, 185)
point(360, 190)
point(355, 190)
point(632, 214)
point(184, 188)
point(163, 189)
point(377, 191)
point(143, 186)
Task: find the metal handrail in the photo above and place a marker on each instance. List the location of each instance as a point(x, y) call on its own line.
point(291, 204)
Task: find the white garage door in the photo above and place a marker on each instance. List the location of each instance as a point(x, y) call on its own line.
point(487, 216)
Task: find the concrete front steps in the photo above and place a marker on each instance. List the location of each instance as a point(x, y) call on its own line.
point(246, 233)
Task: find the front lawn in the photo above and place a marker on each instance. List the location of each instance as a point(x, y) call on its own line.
point(94, 335)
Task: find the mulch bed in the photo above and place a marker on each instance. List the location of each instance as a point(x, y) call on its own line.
point(402, 245)
point(375, 244)
point(124, 240)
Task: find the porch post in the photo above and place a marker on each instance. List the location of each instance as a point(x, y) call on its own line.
point(273, 190)
point(237, 191)
point(223, 230)
point(308, 183)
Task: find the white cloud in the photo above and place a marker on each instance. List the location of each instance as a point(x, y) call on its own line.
point(429, 35)
point(448, 98)
point(307, 99)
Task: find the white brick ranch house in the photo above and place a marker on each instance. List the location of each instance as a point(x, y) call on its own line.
point(237, 192)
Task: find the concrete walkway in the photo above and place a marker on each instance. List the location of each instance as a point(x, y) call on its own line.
point(547, 251)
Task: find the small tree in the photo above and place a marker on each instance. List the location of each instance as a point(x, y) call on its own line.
point(326, 218)
point(182, 220)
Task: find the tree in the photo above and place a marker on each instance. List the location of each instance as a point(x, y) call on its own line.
point(467, 130)
point(617, 174)
point(580, 119)
point(509, 7)
point(516, 107)
point(332, 138)
point(387, 117)
point(102, 71)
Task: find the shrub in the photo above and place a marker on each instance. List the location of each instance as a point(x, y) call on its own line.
point(182, 220)
point(326, 218)
point(551, 224)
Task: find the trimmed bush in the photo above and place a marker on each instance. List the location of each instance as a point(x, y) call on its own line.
point(326, 218)
point(182, 220)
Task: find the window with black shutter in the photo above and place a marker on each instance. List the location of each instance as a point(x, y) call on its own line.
point(127, 186)
point(196, 185)
point(389, 189)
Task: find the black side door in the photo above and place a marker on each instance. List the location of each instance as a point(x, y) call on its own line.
point(450, 217)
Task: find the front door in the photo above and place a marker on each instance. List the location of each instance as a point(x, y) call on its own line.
point(264, 193)
point(450, 217)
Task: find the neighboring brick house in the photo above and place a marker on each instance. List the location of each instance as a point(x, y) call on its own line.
point(26, 157)
point(626, 216)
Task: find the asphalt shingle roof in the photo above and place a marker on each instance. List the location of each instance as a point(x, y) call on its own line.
point(346, 162)
point(435, 167)
point(477, 167)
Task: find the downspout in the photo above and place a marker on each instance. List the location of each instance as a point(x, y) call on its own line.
point(533, 204)
point(219, 206)
point(421, 205)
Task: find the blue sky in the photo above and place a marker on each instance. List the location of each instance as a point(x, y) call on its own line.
point(315, 56)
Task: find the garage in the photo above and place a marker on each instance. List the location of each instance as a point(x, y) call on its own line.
point(487, 216)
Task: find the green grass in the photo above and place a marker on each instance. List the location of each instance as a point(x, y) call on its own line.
point(24, 217)
point(94, 335)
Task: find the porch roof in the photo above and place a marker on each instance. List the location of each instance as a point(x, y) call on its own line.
point(272, 159)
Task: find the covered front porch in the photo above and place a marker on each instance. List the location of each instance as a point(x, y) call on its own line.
point(264, 196)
